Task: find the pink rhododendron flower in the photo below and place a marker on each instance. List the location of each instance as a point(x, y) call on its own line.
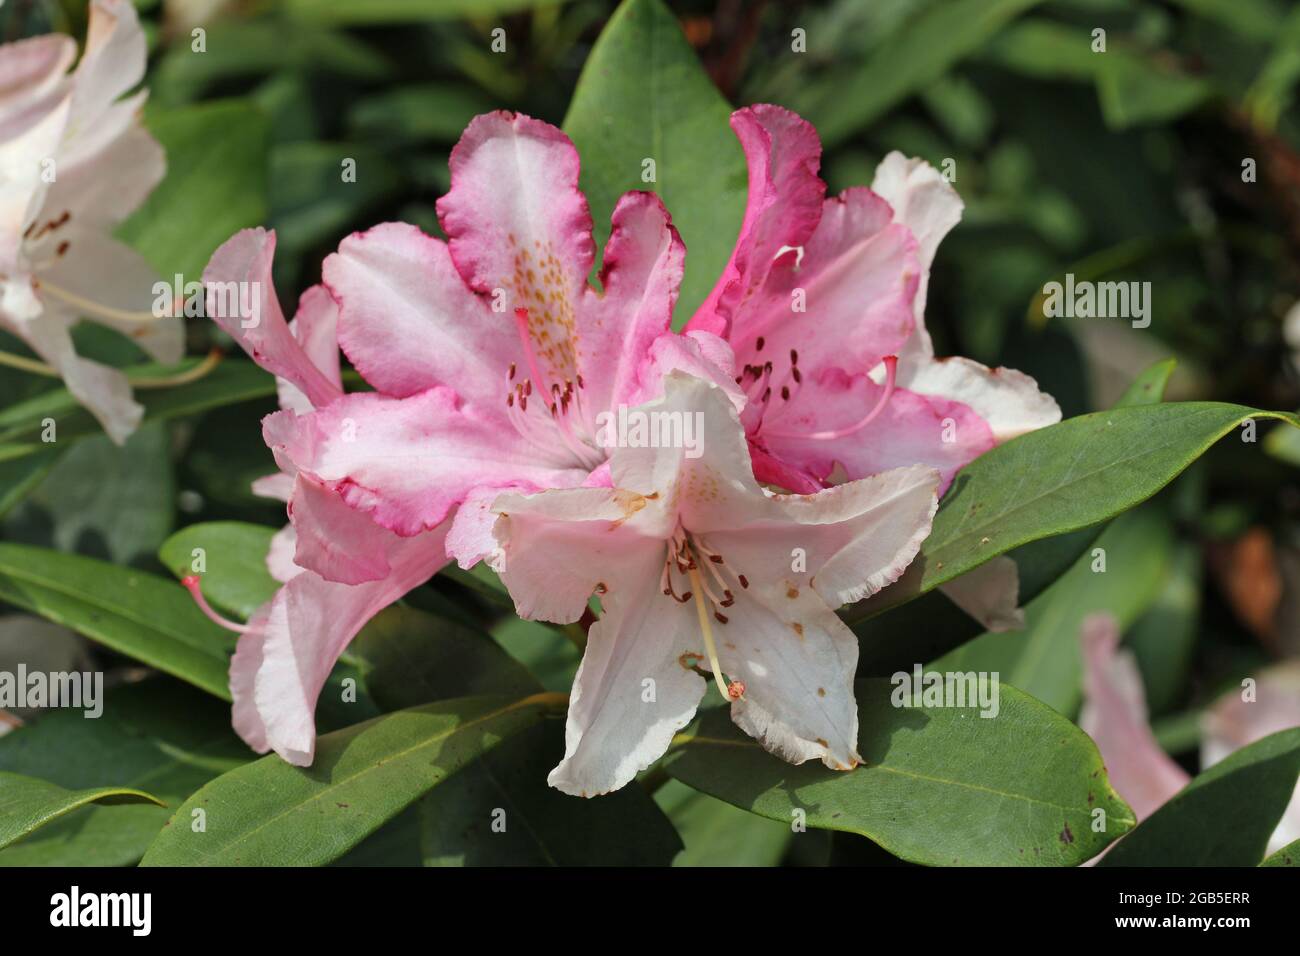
point(1114, 715)
point(74, 162)
point(696, 564)
point(491, 360)
point(338, 568)
point(491, 356)
point(823, 301)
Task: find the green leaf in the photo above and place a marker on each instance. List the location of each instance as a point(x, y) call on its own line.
point(1164, 639)
point(20, 476)
point(1289, 855)
point(1043, 561)
point(232, 381)
point(235, 578)
point(157, 735)
point(407, 657)
point(1284, 444)
point(144, 617)
point(1059, 479)
point(644, 96)
point(1133, 86)
point(940, 786)
point(1225, 816)
point(1135, 89)
point(243, 48)
point(215, 185)
point(429, 112)
point(718, 834)
point(312, 204)
point(114, 502)
point(1043, 659)
point(852, 96)
point(405, 11)
point(460, 825)
point(269, 812)
point(27, 804)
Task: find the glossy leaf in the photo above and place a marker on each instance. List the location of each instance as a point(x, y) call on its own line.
point(940, 786)
point(643, 96)
point(1289, 855)
point(1059, 479)
point(232, 381)
point(215, 185)
point(145, 617)
point(461, 821)
point(1044, 659)
point(235, 577)
point(158, 735)
point(269, 812)
point(853, 96)
point(26, 803)
point(1225, 816)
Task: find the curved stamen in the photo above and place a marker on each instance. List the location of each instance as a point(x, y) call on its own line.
point(191, 584)
point(98, 309)
point(891, 371)
point(530, 354)
point(706, 628)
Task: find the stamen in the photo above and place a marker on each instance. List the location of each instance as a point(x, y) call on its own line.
point(891, 371)
point(97, 309)
point(706, 628)
point(191, 584)
point(530, 354)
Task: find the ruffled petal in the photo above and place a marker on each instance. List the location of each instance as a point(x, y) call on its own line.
point(636, 686)
point(241, 300)
point(797, 660)
point(640, 276)
point(1008, 401)
point(783, 206)
point(113, 61)
point(279, 557)
point(926, 203)
point(559, 547)
point(335, 541)
point(910, 429)
point(856, 278)
point(104, 391)
point(315, 327)
point(408, 322)
point(281, 664)
point(407, 462)
point(516, 221)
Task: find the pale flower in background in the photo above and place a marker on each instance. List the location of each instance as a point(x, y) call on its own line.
point(74, 162)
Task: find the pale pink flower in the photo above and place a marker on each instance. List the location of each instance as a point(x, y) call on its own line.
point(697, 566)
point(1114, 715)
point(74, 162)
point(823, 302)
point(491, 359)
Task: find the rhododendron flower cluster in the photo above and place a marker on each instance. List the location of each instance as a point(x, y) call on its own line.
point(827, 431)
point(75, 162)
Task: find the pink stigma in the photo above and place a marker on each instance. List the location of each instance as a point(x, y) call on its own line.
point(191, 583)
